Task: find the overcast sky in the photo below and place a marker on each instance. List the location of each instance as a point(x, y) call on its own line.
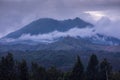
point(15, 14)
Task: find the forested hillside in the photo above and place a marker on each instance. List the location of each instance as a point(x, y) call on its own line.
point(10, 69)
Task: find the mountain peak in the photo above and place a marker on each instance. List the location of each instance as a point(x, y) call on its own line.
point(77, 19)
point(47, 25)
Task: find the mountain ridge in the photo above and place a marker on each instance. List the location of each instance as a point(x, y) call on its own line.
point(46, 25)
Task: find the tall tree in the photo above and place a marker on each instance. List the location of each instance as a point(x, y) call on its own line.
point(3, 71)
point(78, 70)
point(23, 71)
point(92, 68)
point(66, 75)
point(38, 72)
point(10, 63)
point(105, 70)
point(53, 74)
point(34, 71)
point(8, 67)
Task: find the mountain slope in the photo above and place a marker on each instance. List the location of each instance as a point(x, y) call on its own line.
point(65, 44)
point(47, 25)
point(50, 34)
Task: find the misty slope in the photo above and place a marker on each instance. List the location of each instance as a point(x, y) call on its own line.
point(65, 44)
point(47, 25)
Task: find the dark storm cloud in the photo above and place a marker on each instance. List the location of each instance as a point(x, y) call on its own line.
point(14, 14)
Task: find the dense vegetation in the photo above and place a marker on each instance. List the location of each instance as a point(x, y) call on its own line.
point(11, 69)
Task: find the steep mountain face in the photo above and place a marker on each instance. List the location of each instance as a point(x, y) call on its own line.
point(50, 34)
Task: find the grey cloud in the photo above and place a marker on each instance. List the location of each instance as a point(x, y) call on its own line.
point(108, 27)
point(52, 36)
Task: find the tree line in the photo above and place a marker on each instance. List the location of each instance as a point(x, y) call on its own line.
point(11, 69)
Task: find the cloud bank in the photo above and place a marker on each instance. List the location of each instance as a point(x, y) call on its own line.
point(52, 36)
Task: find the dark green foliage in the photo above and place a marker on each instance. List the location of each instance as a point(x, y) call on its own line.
point(92, 68)
point(23, 71)
point(66, 76)
point(34, 71)
point(105, 70)
point(2, 69)
point(13, 70)
point(116, 76)
point(38, 72)
point(7, 68)
point(53, 74)
point(78, 70)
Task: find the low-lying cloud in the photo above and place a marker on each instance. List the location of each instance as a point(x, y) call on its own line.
point(74, 32)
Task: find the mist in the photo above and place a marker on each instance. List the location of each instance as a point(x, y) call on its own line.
point(74, 32)
point(108, 27)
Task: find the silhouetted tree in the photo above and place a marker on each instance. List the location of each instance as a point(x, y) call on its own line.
point(53, 74)
point(23, 71)
point(3, 71)
point(8, 68)
point(11, 67)
point(116, 76)
point(66, 75)
point(38, 72)
point(78, 70)
point(105, 70)
point(92, 68)
point(34, 71)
